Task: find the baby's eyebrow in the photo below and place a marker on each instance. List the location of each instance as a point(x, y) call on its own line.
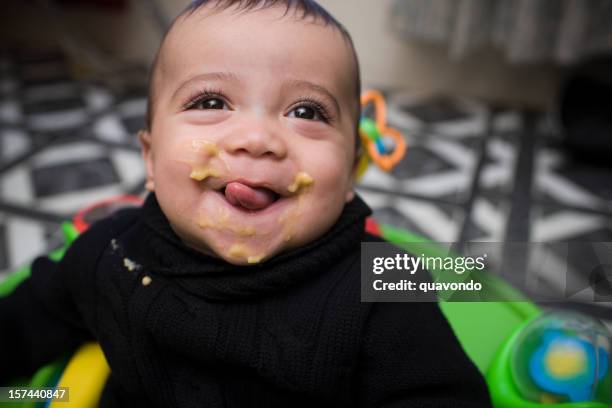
point(314, 87)
point(209, 76)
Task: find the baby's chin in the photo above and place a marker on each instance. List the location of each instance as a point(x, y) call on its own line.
point(236, 240)
point(239, 249)
point(241, 239)
point(252, 243)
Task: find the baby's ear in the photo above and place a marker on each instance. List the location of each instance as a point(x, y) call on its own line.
point(144, 136)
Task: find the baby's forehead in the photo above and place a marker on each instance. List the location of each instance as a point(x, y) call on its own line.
point(182, 38)
point(190, 33)
point(184, 27)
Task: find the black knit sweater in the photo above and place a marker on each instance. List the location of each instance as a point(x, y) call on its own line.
point(290, 332)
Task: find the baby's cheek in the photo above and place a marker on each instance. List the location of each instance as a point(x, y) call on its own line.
point(199, 158)
point(330, 177)
point(325, 199)
point(316, 216)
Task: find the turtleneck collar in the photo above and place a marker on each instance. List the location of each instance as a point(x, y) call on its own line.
point(216, 279)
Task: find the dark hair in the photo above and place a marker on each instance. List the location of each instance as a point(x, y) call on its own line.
point(303, 9)
point(308, 8)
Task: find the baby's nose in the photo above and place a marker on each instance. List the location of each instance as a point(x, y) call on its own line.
point(257, 138)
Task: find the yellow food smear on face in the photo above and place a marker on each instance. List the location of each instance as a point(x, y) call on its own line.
point(255, 259)
point(241, 251)
point(238, 251)
point(302, 179)
point(204, 222)
point(282, 220)
point(200, 173)
point(244, 232)
point(289, 219)
point(206, 146)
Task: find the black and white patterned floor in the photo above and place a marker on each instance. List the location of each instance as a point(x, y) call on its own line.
point(473, 172)
point(63, 145)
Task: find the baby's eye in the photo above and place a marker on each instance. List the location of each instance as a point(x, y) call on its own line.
point(307, 112)
point(210, 103)
point(304, 112)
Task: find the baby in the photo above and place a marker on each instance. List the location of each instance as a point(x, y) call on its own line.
point(237, 284)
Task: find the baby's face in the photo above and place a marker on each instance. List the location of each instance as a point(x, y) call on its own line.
point(251, 150)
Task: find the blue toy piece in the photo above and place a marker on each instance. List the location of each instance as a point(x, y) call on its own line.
point(558, 359)
point(568, 365)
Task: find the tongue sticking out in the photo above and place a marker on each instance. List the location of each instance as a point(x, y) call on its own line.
point(251, 198)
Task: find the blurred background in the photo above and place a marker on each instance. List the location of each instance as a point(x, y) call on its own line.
point(506, 106)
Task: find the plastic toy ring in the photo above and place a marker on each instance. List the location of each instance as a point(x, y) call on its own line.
point(372, 133)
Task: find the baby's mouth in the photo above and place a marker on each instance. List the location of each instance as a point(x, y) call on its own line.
point(251, 198)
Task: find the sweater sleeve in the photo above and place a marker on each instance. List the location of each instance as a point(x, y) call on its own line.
point(411, 358)
point(52, 312)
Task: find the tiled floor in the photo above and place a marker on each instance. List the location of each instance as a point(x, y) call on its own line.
point(63, 145)
point(472, 173)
